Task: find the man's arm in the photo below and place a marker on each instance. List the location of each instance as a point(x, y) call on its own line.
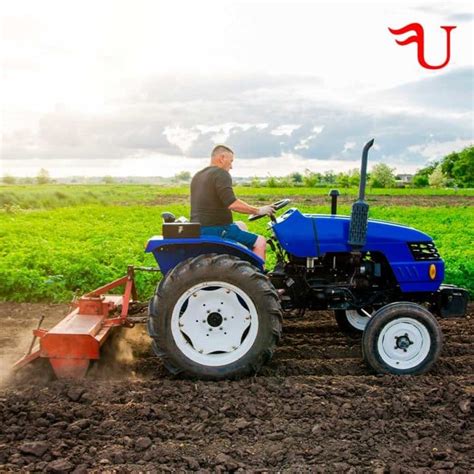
point(241, 206)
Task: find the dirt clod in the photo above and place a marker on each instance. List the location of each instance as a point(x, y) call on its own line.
point(143, 443)
point(75, 393)
point(36, 448)
point(60, 465)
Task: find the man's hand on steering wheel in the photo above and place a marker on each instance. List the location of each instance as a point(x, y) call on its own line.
point(269, 210)
point(266, 211)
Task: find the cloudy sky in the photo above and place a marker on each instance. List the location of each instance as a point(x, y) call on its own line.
point(146, 88)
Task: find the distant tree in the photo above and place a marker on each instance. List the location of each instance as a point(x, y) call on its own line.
point(329, 177)
point(108, 180)
point(463, 170)
point(183, 176)
point(311, 179)
point(7, 179)
point(354, 177)
point(421, 178)
point(382, 176)
point(255, 182)
point(343, 180)
point(296, 178)
point(460, 167)
point(272, 182)
point(284, 182)
point(437, 178)
point(43, 177)
point(448, 163)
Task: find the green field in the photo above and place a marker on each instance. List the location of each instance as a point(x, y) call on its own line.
point(59, 240)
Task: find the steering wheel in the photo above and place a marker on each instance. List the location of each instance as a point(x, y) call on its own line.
point(276, 205)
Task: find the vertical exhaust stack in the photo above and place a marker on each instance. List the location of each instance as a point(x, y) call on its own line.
point(360, 209)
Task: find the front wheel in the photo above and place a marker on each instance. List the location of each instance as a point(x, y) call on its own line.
point(215, 317)
point(351, 321)
point(402, 338)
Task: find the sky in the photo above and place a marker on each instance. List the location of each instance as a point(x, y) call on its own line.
point(148, 87)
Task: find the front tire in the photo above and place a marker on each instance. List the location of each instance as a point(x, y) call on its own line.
point(402, 338)
point(351, 321)
point(215, 317)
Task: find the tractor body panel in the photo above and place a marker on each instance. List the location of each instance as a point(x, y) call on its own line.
point(313, 235)
point(170, 252)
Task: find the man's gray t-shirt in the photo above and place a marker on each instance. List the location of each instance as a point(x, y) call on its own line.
point(211, 196)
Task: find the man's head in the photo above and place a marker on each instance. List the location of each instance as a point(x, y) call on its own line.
point(222, 156)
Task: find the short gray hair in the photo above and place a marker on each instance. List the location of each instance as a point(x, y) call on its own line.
point(219, 149)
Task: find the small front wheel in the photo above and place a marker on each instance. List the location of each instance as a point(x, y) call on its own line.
point(351, 321)
point(402, 338)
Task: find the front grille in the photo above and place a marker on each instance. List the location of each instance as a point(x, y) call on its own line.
point(424, 251)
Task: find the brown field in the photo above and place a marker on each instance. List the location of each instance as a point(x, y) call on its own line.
point(316, 407)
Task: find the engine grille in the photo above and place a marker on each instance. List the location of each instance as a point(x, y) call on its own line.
point(424, 251)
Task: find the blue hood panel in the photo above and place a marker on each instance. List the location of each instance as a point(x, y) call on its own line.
point(313, 235)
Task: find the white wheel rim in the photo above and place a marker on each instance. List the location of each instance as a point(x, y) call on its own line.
point(214, 323)
point(356, 320)
point(404, 343)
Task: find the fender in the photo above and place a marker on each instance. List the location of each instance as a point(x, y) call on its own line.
point(169, 252)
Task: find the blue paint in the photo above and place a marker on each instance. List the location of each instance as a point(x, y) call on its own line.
point(169, 252)
point(312, 235)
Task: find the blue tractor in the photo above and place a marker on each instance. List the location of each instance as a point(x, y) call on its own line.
point(218, 314)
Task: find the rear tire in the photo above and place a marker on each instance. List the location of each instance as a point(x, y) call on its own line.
point(402, 338)
point(214, 317)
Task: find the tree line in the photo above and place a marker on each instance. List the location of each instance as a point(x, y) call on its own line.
point(454, 170)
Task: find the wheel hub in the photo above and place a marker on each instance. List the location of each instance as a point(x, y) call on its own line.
point(214, 320)
point(403, 342)
point(214, 323)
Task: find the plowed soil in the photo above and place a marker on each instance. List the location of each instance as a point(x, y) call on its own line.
point(316, 408)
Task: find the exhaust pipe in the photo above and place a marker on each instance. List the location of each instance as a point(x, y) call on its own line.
point(360, 209)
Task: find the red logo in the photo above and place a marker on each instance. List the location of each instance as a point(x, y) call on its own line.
point(419, 39)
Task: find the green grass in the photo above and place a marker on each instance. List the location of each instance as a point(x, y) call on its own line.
point(48, 255)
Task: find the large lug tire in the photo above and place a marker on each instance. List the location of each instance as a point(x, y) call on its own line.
point(215, 317)
point(402, 338)
point(351, 321)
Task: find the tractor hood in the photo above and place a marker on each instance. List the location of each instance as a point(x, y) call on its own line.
point(312, 235)
point(405, 249)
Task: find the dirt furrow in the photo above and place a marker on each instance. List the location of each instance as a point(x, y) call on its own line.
point(315, 408)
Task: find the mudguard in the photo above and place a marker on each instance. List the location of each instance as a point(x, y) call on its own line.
point(169, 252)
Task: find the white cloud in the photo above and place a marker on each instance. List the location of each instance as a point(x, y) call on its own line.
point(222, 132)
point(183, 138)
point(286, 129)
point(436, 150)
point(348, 146)
point(304, 143)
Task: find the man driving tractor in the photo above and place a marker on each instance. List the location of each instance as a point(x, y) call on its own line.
point(213, 201)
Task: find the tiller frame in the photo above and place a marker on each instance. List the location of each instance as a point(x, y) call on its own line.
point(75, 341)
